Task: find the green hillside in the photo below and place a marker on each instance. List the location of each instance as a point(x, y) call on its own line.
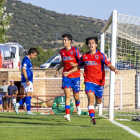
point(35, 26)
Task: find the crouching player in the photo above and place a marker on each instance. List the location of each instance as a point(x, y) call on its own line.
point(94, 74)
point(27, 81)
point(59, 106)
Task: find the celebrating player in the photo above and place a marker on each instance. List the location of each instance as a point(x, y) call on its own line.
point(94, 74)
point(27, 81)
point(70, 56)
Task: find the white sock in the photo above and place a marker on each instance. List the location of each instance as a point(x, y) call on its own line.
point(99, 105)
point(18, 104)
point(77, 107)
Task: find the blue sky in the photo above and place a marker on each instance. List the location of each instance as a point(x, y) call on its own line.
point(100, 9)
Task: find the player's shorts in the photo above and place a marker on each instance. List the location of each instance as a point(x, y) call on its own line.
point(73, 83)
point(96, 89)
point(1, 103)
point(13, 100)
point(28, 88)
point(58, 110)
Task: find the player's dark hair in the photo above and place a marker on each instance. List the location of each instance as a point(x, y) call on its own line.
point(3, 81)
point(69, 36)
point(89, 38)
point(32, 50)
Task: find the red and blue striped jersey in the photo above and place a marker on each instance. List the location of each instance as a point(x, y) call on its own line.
point(94, 67)
point(71, 55)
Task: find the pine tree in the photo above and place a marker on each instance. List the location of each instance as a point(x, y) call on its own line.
point(4, 22)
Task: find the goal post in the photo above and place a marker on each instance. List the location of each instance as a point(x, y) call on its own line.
point(120, 37)
point(113, 20)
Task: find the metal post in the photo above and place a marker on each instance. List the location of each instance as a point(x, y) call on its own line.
point(100, 107)
point(102, 41)
point(112, 74)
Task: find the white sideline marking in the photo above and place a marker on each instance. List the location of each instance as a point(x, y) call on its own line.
point(124, 127)
point(123, 119)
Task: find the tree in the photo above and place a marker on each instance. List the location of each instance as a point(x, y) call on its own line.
point(42, 56)
point(85, 49)
point(4, 22)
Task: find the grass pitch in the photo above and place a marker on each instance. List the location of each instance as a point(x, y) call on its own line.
point(53, 127)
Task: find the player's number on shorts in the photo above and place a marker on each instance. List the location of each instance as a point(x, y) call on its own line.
point(62, 99)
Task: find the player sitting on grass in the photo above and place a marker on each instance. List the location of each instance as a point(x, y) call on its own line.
point(59, 106)
point(94, 73)
point(70, 57)
point(27, 81)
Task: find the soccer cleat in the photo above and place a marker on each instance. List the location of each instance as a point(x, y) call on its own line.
point(30, 113)
point(78, 110)
point(45, 113)
point(16, 108)
point(93, 120)
point(67, 117)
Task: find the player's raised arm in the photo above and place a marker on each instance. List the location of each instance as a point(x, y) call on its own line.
point(112, 68)
point(72, 70)
point(76, 68)
point(57, 70)
point(73, 64)
point(108, 64)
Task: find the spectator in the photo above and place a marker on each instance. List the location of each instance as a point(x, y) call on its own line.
point(12, 90)
point(1, 102)
point(4, 89)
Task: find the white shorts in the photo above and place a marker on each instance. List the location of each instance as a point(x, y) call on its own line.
point(13, 100)
point(28, 88)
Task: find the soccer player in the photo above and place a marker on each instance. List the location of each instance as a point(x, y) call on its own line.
point(94, 74)
point(27, 81)
point(70, 57)
point(59, 106)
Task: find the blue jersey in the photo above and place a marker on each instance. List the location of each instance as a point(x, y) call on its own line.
point(1, 95)
point(26, 63)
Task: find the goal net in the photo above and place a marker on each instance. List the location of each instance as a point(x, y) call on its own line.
point(120, 41)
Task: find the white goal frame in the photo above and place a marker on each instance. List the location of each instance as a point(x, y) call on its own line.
point(113, 20)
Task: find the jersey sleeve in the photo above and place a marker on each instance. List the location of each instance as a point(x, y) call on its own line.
point(54, 104)
point(78, 54)
point(104, 60)
point(25, 63)
point(81, 62)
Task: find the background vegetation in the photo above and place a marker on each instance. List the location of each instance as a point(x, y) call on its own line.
point(35, 26)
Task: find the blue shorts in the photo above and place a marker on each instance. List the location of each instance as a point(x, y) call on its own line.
point(73, 83)
point(96, 89)
point(1, 103)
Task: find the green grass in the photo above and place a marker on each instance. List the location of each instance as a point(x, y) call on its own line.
point(23, 127)
point(135, 125)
